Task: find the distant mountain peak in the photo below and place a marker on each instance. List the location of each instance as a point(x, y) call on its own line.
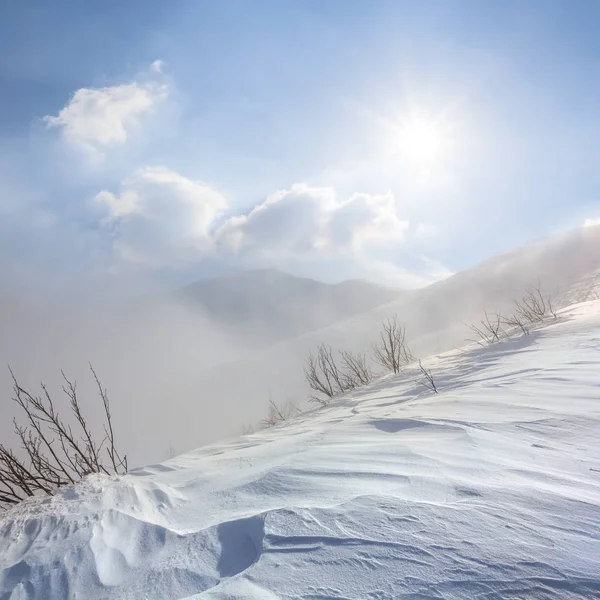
point(277, 305)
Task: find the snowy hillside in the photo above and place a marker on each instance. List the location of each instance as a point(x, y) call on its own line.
point(216, 379)
point(436, 319)
point(489, 489)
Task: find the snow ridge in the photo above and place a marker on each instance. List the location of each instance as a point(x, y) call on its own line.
point(489, 489)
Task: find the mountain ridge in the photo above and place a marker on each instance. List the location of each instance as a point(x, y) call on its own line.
point(275, 305)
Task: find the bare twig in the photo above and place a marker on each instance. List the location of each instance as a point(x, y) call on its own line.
point(518, 322)
point(392, 352)
point(52, 454)
point(324, 375)
point(118, 463)
point(489, 329)
point(534, 307)
point(427, 380)
point(280, 413)
point(329, 378)
point(590, 292)
point(357, 371)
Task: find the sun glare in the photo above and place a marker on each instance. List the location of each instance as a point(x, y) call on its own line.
point(420, 141)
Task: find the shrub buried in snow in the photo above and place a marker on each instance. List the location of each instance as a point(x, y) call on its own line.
point(534, 307)
point(52, 453)
point(330, 378)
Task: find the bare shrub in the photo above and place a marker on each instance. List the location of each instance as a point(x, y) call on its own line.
point(323, 375)
point(356, 369)
point(534, 306)
point(279, 413)
point(427, 379)
point(52, 453)
point(586, 294)
point(329, 378)
point(392, 352)
point(249, 429)
point(488, 330)
point(518, 322)
point(590, 292)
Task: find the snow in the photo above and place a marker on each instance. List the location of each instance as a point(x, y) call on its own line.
point(489, 489)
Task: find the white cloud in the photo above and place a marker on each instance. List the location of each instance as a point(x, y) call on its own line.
point(161, 218)
point(158, 66)
point(308, 220)
point(98, 118)
point(591, 222)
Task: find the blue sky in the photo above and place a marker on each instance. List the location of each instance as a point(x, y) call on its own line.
point(398, 141)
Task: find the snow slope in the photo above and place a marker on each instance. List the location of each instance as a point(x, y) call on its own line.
point(436, 320)
point(489, 489)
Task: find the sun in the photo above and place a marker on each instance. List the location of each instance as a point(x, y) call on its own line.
point(420, 140)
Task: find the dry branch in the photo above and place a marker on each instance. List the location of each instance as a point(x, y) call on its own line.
point(357, 371)
point(488, 330)
point(518, 322)
point(329, 378)
point(279, 413)
point(392, 352)
point(52, 454)
point(534, 307)
point(427, 380)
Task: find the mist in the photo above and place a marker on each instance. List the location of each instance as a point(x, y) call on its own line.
point(150, 353)
point(177, 374)
point(179, 378)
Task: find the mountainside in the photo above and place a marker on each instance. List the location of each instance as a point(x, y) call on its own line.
point(274, 306)
point(436, 318)
point(489, 489)
point(200, 382)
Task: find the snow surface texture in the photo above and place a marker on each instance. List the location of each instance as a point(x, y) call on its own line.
point(489, 489)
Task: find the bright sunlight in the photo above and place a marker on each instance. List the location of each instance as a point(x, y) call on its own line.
point(420, 140)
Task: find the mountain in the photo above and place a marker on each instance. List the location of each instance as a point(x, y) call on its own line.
point(488, 489)
point(270, 305)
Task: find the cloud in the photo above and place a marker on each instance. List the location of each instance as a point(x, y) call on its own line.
point(158, 66)
point(161, 218)
point(591, 222)
point(98, 118)
point(308, 220)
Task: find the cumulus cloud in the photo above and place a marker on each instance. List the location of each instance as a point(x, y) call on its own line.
point(98, 118)
point(307, 220)
point(591, 222)
point(160, 217)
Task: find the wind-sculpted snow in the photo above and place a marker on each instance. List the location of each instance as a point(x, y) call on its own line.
point(489, 489)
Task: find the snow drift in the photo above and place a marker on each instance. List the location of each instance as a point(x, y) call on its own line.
point(489, 489)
